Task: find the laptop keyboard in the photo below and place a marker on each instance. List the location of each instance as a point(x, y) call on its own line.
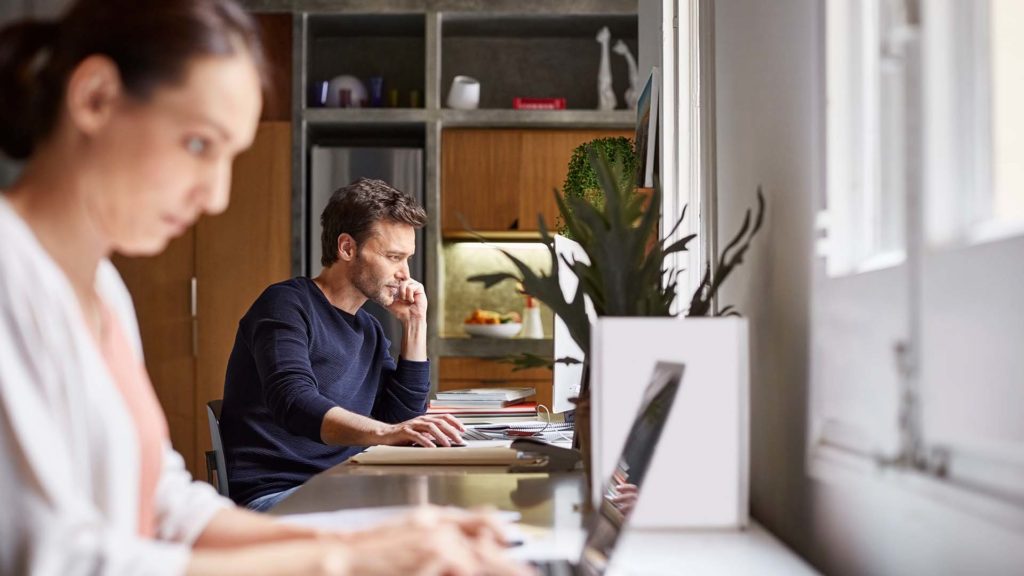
point(555, 568)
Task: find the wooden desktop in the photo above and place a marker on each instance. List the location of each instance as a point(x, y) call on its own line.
point(552, 519)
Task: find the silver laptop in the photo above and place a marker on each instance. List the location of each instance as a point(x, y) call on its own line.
point(622, 489)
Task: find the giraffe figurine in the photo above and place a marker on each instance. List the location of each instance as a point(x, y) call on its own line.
point(633, 92)
point(605, 94)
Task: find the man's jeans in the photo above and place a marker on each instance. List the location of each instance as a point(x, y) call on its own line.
point(267, 501)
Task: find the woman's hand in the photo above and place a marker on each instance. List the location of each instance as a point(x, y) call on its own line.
point(434, 541)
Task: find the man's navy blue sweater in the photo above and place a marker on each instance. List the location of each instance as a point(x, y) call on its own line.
point(295, 357)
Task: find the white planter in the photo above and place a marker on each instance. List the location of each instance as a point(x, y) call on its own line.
point(699, 476)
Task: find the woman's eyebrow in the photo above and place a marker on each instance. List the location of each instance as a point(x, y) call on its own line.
point(223, 132)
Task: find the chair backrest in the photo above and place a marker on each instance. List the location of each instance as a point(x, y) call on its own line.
point(215, 457)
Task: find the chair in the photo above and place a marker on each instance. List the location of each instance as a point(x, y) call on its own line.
point(215, 458)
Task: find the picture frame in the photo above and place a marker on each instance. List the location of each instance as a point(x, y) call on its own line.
point(647, 129)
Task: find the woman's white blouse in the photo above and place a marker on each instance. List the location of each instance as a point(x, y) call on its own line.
point(69, 462)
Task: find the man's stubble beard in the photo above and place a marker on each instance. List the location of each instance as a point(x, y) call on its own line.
point(363, 280)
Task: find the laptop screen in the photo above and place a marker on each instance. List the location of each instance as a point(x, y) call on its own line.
point(622, 490)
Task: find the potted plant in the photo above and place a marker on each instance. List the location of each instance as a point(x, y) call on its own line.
point(626, 274)
point(581, 179)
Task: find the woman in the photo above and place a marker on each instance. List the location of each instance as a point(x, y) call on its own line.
point(129, 115)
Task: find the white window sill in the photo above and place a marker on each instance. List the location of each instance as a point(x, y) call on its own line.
point(834, 464)
point(880, 261)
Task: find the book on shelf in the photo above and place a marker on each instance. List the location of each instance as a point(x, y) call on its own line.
point(483, 395)
point(523, 103)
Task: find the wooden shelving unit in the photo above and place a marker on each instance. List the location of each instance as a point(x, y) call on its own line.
point(515, 47)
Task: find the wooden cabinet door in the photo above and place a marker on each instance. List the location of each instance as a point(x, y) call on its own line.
point(161, 291)
point(480, 179)
point(501, 180)
point(233, 257)
point(545, 161)
point(238, 254)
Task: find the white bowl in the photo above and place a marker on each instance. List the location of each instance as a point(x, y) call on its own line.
point(507, 330)
point(357, 91)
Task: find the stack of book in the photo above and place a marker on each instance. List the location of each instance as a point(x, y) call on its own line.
point(485, 402)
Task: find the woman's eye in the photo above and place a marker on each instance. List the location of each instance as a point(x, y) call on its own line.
point(197, 145)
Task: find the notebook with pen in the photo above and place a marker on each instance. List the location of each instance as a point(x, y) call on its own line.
point(491, 431)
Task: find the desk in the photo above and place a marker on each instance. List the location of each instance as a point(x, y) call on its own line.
point(550, 507)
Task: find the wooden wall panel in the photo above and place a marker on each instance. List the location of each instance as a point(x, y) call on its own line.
point(160, 288)
point(238, 254)
point(276, 30)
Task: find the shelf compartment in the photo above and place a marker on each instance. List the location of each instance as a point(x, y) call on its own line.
point(456, 235)
point(461, 297)
point(539, 118)
point(471, 6)
point(460, 372)
point(540, 56)
point(364, 45)
point(341, 116)
point(501, 180)
point(493, 347)
point(575, 119)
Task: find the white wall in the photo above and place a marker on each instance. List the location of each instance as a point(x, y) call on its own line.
point(769, 73)
point(767, 133)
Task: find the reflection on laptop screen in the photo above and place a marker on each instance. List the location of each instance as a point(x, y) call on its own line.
point(621, 490)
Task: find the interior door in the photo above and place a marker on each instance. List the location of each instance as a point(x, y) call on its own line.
point(238, 254)
point(161, 291)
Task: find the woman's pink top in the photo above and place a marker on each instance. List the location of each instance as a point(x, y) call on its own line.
point(150, 424)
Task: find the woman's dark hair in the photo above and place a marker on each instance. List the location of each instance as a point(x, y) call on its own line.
point(151, 42)
point(355, 208)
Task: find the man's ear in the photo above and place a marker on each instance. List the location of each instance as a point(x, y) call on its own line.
point(347, 247)
point(93, 91)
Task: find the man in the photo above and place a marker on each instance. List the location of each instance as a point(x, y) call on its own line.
point(310, 380)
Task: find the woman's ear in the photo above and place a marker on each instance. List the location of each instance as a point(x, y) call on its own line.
point(93, 91)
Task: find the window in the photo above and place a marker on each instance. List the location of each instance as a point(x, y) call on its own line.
point(917, 311)
point(867, 75)
point(975, 192)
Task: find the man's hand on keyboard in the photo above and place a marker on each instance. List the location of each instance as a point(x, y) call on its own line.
point(429, 430)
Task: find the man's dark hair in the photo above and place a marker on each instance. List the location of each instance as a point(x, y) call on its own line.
point(355, 208)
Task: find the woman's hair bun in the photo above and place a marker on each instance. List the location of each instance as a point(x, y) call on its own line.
point(24, 52)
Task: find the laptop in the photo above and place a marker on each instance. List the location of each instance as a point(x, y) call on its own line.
point(622, 488)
